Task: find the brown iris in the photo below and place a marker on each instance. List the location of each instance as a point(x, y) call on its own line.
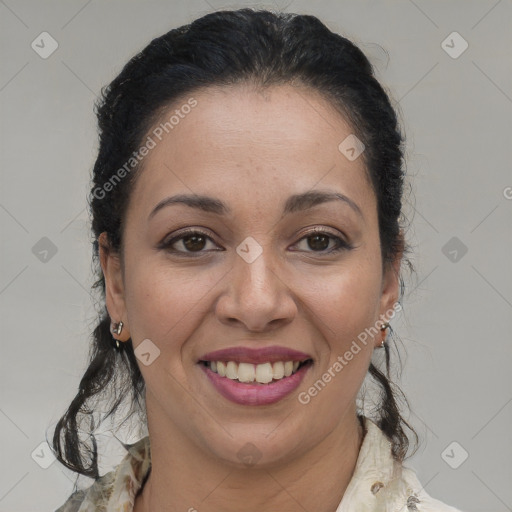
point(194, 242)
point(318, 242)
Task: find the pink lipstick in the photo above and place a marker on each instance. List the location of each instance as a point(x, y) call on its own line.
point(255, 376)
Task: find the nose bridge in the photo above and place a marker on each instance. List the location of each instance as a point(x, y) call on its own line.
point(254, 272)
point(256, 295)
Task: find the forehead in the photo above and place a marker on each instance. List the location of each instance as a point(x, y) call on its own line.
point(262, 142)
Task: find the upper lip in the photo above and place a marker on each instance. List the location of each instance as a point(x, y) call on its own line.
point(255, 355)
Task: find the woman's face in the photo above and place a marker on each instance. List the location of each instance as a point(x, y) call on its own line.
point(233, 263)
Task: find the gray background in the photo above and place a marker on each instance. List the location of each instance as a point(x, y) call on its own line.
point(456, 113)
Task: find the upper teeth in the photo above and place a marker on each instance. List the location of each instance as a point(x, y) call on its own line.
point(248, 372)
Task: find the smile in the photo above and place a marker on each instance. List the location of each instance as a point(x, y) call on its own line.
point(264, 373)
point(255, 376)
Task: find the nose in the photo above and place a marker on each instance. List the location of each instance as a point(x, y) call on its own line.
point(256, 297)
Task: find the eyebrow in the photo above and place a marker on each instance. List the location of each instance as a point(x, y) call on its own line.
point(295, 203)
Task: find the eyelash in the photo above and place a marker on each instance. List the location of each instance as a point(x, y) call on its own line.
point(166, 245)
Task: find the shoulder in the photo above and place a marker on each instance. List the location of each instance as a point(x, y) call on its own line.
point(116, 488)
point(73, 503)
point(382, 484)
point(91, 499)
point(423, 501)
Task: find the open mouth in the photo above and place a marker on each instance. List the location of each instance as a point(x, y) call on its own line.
point(249, 373)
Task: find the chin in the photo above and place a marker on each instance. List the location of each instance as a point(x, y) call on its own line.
point(264, 448)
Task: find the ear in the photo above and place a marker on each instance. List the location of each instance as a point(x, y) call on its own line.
point(390, 283)
point(114, 285)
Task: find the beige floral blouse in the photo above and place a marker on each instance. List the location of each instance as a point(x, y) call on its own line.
point(379, 483)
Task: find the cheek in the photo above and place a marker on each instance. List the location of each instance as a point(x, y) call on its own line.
point(341, 308)
point(163, 302)
point(343, 303)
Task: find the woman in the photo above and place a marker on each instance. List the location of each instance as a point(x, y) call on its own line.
point(245, 210)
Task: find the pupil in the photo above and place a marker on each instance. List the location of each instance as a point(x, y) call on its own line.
point(315, 242)
point(193, 246)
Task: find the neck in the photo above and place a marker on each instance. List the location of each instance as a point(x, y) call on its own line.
point(316, 480)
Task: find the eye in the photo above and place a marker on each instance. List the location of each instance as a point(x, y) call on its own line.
point(188, 242)
point(322, 241)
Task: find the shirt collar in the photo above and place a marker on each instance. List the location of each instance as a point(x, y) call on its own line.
point(376, 475)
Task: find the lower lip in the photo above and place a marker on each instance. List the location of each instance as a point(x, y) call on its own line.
point(255, 394)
